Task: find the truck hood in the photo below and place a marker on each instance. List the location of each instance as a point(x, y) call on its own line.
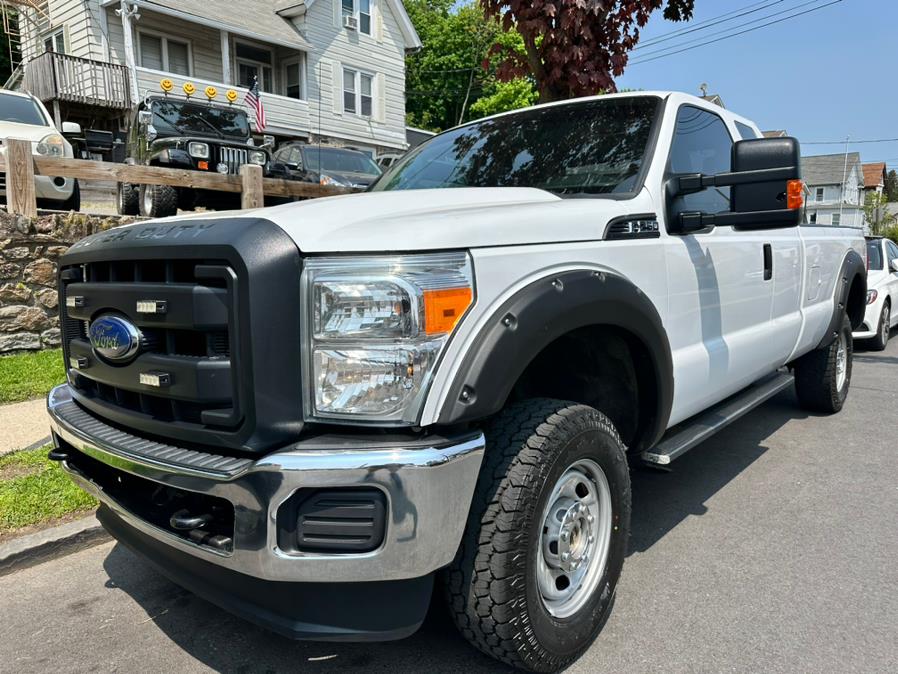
point(417, 220)
point(30, 132)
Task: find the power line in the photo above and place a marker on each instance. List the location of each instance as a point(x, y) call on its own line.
point(743, 32)
point(850, 142)
point(708, 23)
point(727, 30)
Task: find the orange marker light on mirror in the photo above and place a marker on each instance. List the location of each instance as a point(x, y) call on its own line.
point(794, 194)
point(444, 308)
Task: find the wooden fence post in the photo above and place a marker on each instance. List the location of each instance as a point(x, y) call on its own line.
point(253, 195)
point(20, 196)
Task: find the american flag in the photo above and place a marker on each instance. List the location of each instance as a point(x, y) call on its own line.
point(254, 101)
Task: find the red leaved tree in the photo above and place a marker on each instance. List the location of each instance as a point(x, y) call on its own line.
point(573, 47)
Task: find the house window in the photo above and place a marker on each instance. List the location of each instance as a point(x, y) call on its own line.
point(254, 62)
point(837, 219)
point(813, 218)
point(293, 78)
point(55, 41)
point(819, 195)
point(158, 52)
point(361, 9)
point(358, 92)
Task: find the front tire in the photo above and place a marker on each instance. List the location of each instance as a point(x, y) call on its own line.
point(823, 376)
point(881, 340)
point(534, 578)
point(73, 203)
point(158, 201)
point(127, 200)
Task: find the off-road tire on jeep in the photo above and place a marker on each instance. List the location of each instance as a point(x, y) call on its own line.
point(492, 587)
point(819, 383)
point(881, 340)
point(158, 201)
point(127, 201)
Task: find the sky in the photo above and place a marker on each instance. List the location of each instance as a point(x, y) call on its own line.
point(823, 76)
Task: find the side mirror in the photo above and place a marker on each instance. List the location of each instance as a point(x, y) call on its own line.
point(71, 129)
point(893, 265)
point(145, 118)
point(767, 191)
point(151, 133)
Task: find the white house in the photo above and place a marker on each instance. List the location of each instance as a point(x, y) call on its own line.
point(329, 69)
point(836, 186)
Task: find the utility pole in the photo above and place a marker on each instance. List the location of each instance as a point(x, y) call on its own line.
point(127, 14)
point(844, 178)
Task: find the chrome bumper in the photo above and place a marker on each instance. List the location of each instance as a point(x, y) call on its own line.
point(428, 490)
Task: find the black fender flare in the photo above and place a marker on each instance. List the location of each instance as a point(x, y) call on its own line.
point(853, 270)
point(542, 312)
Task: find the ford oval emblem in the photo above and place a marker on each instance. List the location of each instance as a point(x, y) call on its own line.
point(114, 338)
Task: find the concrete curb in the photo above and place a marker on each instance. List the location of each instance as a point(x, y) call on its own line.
point(42, 546)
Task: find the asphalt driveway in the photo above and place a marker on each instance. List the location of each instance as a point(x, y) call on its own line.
point(773, 547)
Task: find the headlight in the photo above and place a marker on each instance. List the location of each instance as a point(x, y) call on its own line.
point(327, 180)
point(257, 157)
point(871, 296)
point(198, 150)
point(52, 145)
point(374, 331)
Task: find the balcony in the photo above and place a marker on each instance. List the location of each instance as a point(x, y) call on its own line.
point(70, 79)
point(284, 115)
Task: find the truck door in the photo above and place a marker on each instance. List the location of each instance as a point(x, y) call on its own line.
point(721, 289)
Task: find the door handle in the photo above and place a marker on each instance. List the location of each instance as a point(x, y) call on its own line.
point(768, 262)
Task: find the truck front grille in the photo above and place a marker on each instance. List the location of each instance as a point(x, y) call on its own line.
point(190, 340)
point(234, 158)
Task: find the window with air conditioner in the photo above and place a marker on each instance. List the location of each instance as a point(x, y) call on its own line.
point(357, 15)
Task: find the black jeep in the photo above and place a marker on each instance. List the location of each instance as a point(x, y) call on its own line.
point(192, 135)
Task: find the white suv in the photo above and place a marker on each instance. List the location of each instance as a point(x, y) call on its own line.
point(23, 116)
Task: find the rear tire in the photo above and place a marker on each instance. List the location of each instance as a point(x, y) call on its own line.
point(127, 199)
point(823, 377)
point(555, 482)
point(881, 340)
point(158, 201)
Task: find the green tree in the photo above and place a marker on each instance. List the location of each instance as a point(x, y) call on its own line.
point(891, 188)
point(453, 72)
point(878, 217)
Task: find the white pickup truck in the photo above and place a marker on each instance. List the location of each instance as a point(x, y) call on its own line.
point(307, 414)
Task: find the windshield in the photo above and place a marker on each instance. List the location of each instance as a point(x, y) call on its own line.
point(22, 110)
point(874, 254)
point(179, 118)
point(592, 147)
point(334, 160)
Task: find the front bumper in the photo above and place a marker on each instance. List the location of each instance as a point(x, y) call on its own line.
point(45, 187)
point(868, 329)
point(428, 489)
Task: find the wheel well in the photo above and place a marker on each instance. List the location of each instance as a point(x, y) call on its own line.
point(602, 366)
point(856, 304)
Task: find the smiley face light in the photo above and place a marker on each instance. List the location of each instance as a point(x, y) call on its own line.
point(189, 89)
point(211, 92)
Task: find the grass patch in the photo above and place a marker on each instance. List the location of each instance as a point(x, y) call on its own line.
point(30, 375)
point(36, 491)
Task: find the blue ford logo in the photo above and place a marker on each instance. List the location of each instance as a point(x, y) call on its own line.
point(114, 338)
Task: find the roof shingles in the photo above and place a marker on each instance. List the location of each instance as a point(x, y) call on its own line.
point(828, 169)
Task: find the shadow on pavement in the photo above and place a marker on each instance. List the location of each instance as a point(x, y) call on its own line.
point(226, 643)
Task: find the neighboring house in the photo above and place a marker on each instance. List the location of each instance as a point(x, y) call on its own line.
point(875, 177)
point(777, 133)
point(836, 186)
point(328, 69)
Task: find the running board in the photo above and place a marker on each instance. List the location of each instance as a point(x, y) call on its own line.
point(701, 427)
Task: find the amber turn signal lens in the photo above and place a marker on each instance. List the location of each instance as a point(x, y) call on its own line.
point(794, 194)
point(203, 165)
point(444, 308)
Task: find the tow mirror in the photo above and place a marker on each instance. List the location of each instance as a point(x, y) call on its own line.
point(151, 133)
point(145, 118)
point(767, 190)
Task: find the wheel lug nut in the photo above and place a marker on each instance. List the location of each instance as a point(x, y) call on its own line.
point(590, 519)
point(565, 556)
point(564, 536)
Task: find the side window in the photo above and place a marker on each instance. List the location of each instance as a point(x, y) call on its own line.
point(892, 251)
point(701, 144)
point(746, 131)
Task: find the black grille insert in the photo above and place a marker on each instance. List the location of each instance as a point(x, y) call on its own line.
point(332, 520)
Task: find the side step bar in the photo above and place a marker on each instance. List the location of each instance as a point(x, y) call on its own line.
point(702, 426)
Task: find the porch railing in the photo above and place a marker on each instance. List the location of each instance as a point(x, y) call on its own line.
point(72, 79)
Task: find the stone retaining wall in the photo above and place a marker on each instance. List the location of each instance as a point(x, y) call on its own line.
point(29, 251)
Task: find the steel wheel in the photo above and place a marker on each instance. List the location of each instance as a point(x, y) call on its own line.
point(573, 547)
point(841, 361)
point(148, 195)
